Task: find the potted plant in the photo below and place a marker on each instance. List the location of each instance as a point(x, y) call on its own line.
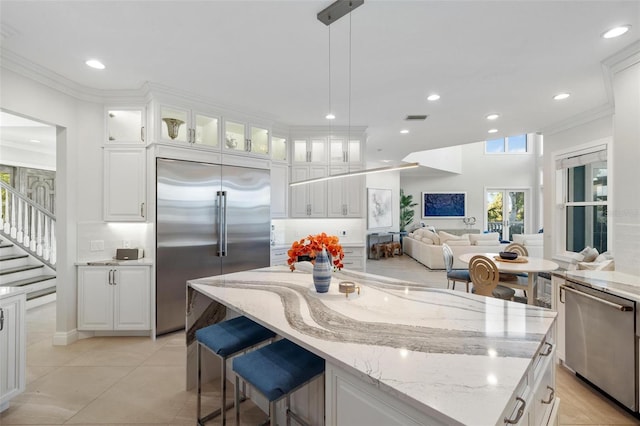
point(406, 210)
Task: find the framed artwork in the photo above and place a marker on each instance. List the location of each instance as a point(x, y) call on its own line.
point(379, 208)
point(444, 205)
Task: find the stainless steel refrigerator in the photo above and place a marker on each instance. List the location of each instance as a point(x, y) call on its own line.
point(211, 219)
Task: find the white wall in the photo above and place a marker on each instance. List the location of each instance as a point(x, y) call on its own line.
point(388, 180)
point(626, 173)
point(479, 171)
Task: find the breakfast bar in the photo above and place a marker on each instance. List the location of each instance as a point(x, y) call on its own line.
point(398, 352)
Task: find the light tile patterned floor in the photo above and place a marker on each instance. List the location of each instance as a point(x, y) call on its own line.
point(133, 380)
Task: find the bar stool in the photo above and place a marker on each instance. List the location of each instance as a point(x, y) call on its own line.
point(224, 340)
point(277, 370)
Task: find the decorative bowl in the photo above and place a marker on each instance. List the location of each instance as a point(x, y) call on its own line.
point(508, 255)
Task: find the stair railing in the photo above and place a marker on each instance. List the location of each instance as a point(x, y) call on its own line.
point(28, 224)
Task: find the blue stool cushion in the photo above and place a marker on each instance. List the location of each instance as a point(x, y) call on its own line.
point(460, 275)
point(228, 337)
point(278, 368)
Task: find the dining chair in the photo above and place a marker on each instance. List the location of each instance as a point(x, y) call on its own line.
point(454, 275)
point(517, 248)
point(486, 278)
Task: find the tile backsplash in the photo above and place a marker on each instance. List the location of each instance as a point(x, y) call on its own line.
point(350, 231)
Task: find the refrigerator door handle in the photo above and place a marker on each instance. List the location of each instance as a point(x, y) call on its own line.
point(220, 224)
point(223, 233)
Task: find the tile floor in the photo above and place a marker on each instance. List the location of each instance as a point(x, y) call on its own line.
point(133, 380)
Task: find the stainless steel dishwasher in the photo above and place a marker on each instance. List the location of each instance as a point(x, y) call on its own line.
point(601, 341)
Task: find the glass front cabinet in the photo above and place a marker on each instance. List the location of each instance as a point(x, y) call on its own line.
point(125, 126)
point(246, 138)
point(188, 126)
point(279, 149)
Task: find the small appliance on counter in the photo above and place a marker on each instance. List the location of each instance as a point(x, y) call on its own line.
point(129, 254)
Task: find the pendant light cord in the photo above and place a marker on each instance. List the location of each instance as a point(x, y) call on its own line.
point(349, 116)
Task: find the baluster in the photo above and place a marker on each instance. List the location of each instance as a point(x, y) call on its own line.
point(39, 235)
point(13, 216)
point(5, 212)
point(53, 243)
point(20, 233)
point(34, 236)
point(27, 225)
point(45, 238)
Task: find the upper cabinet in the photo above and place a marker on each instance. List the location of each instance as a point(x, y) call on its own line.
point(246, 138)
point(187, 126)
point(125, 184)
point(125, 126)
point(279, 149)
point(342, 151)
point(309, 150)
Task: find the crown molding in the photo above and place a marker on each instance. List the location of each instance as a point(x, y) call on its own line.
point(603, 111)
point(40, 74)
point(623, 59)
point(328, 130)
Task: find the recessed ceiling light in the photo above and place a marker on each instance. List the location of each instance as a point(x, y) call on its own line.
point(404, 131)
point(616, 32)
point(330, 116)
point(433, 97)
point(561, 96)
point(493, 131)
point(94, 63)
point(34, 140)
point(492, 116)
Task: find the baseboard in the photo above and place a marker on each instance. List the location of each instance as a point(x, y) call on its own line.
point(61, 338)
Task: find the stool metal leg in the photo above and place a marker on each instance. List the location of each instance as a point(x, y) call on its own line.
point(272, 413)
point(198, 355)
point(223, 386)
point(237, 400)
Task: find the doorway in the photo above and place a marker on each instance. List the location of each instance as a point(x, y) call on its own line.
point(506, 211)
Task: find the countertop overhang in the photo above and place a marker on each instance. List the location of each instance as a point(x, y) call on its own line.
point(437, 350)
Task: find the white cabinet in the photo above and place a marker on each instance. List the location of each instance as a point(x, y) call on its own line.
point(246, 138)
point(279, 256)
point(309, 150)
point(124, 184)
point(354, 258)
point(557, 304)
point(342, 151)
point(279, 149)
point(125, 125)
point(345, 195)
point(279, 190)
point(175, 124)
point(12, 348)
point(308, 200)
point(114, 298)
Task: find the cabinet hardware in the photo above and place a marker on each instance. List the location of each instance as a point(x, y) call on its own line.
point(549, 349)
point(560, 295)
point(141, 209)
point(551, 396)
point(142, 133)
point(616, 306)
point(110, 277)
point(308, 157)
point(114, 276)
point(518, 414)
point(1, 319)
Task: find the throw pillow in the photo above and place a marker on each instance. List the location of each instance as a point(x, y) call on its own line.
point(589, 254)
point(484, 239)
point(431, 235)
point(445, 236)
point(426, 240)
point(460, 242)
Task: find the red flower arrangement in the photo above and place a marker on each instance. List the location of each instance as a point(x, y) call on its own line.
point(313, 244)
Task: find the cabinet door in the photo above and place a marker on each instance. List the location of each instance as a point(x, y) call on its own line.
point(259, 140)
point(95, 298)
point(132, 295)
point(317, 192)
point(125, 125)
point(309, 151)
point(278, 148)
point(308, 200)
point(345, 195)
point(205, 131)
point(235, 136)
point(124, 184)
point(12, 348)
point(174, 124)
point(558, 306)
point(279, 190)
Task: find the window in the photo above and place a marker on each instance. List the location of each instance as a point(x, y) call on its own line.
point(509, 145)
point(585, 199)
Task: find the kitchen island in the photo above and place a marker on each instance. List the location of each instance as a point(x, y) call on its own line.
point(399, 352)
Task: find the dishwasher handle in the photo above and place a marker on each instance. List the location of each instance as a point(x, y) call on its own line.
point(616, 306)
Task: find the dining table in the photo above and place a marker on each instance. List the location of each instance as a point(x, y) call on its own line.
point(531, 266)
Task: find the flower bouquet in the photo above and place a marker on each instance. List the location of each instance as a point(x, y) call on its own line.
point(313, 244)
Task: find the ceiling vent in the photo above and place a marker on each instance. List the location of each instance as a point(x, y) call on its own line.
point(416, 117)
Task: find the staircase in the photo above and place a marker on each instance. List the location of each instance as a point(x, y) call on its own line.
point(20, 269)
point(27, 247)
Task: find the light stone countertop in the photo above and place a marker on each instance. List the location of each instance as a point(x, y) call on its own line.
point(6, 292)
point(115, 262)
point(618, 283)
point(460, 354)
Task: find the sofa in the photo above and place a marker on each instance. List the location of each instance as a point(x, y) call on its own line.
point(425, 245)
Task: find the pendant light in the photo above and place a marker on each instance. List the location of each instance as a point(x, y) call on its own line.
point(327, 16)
